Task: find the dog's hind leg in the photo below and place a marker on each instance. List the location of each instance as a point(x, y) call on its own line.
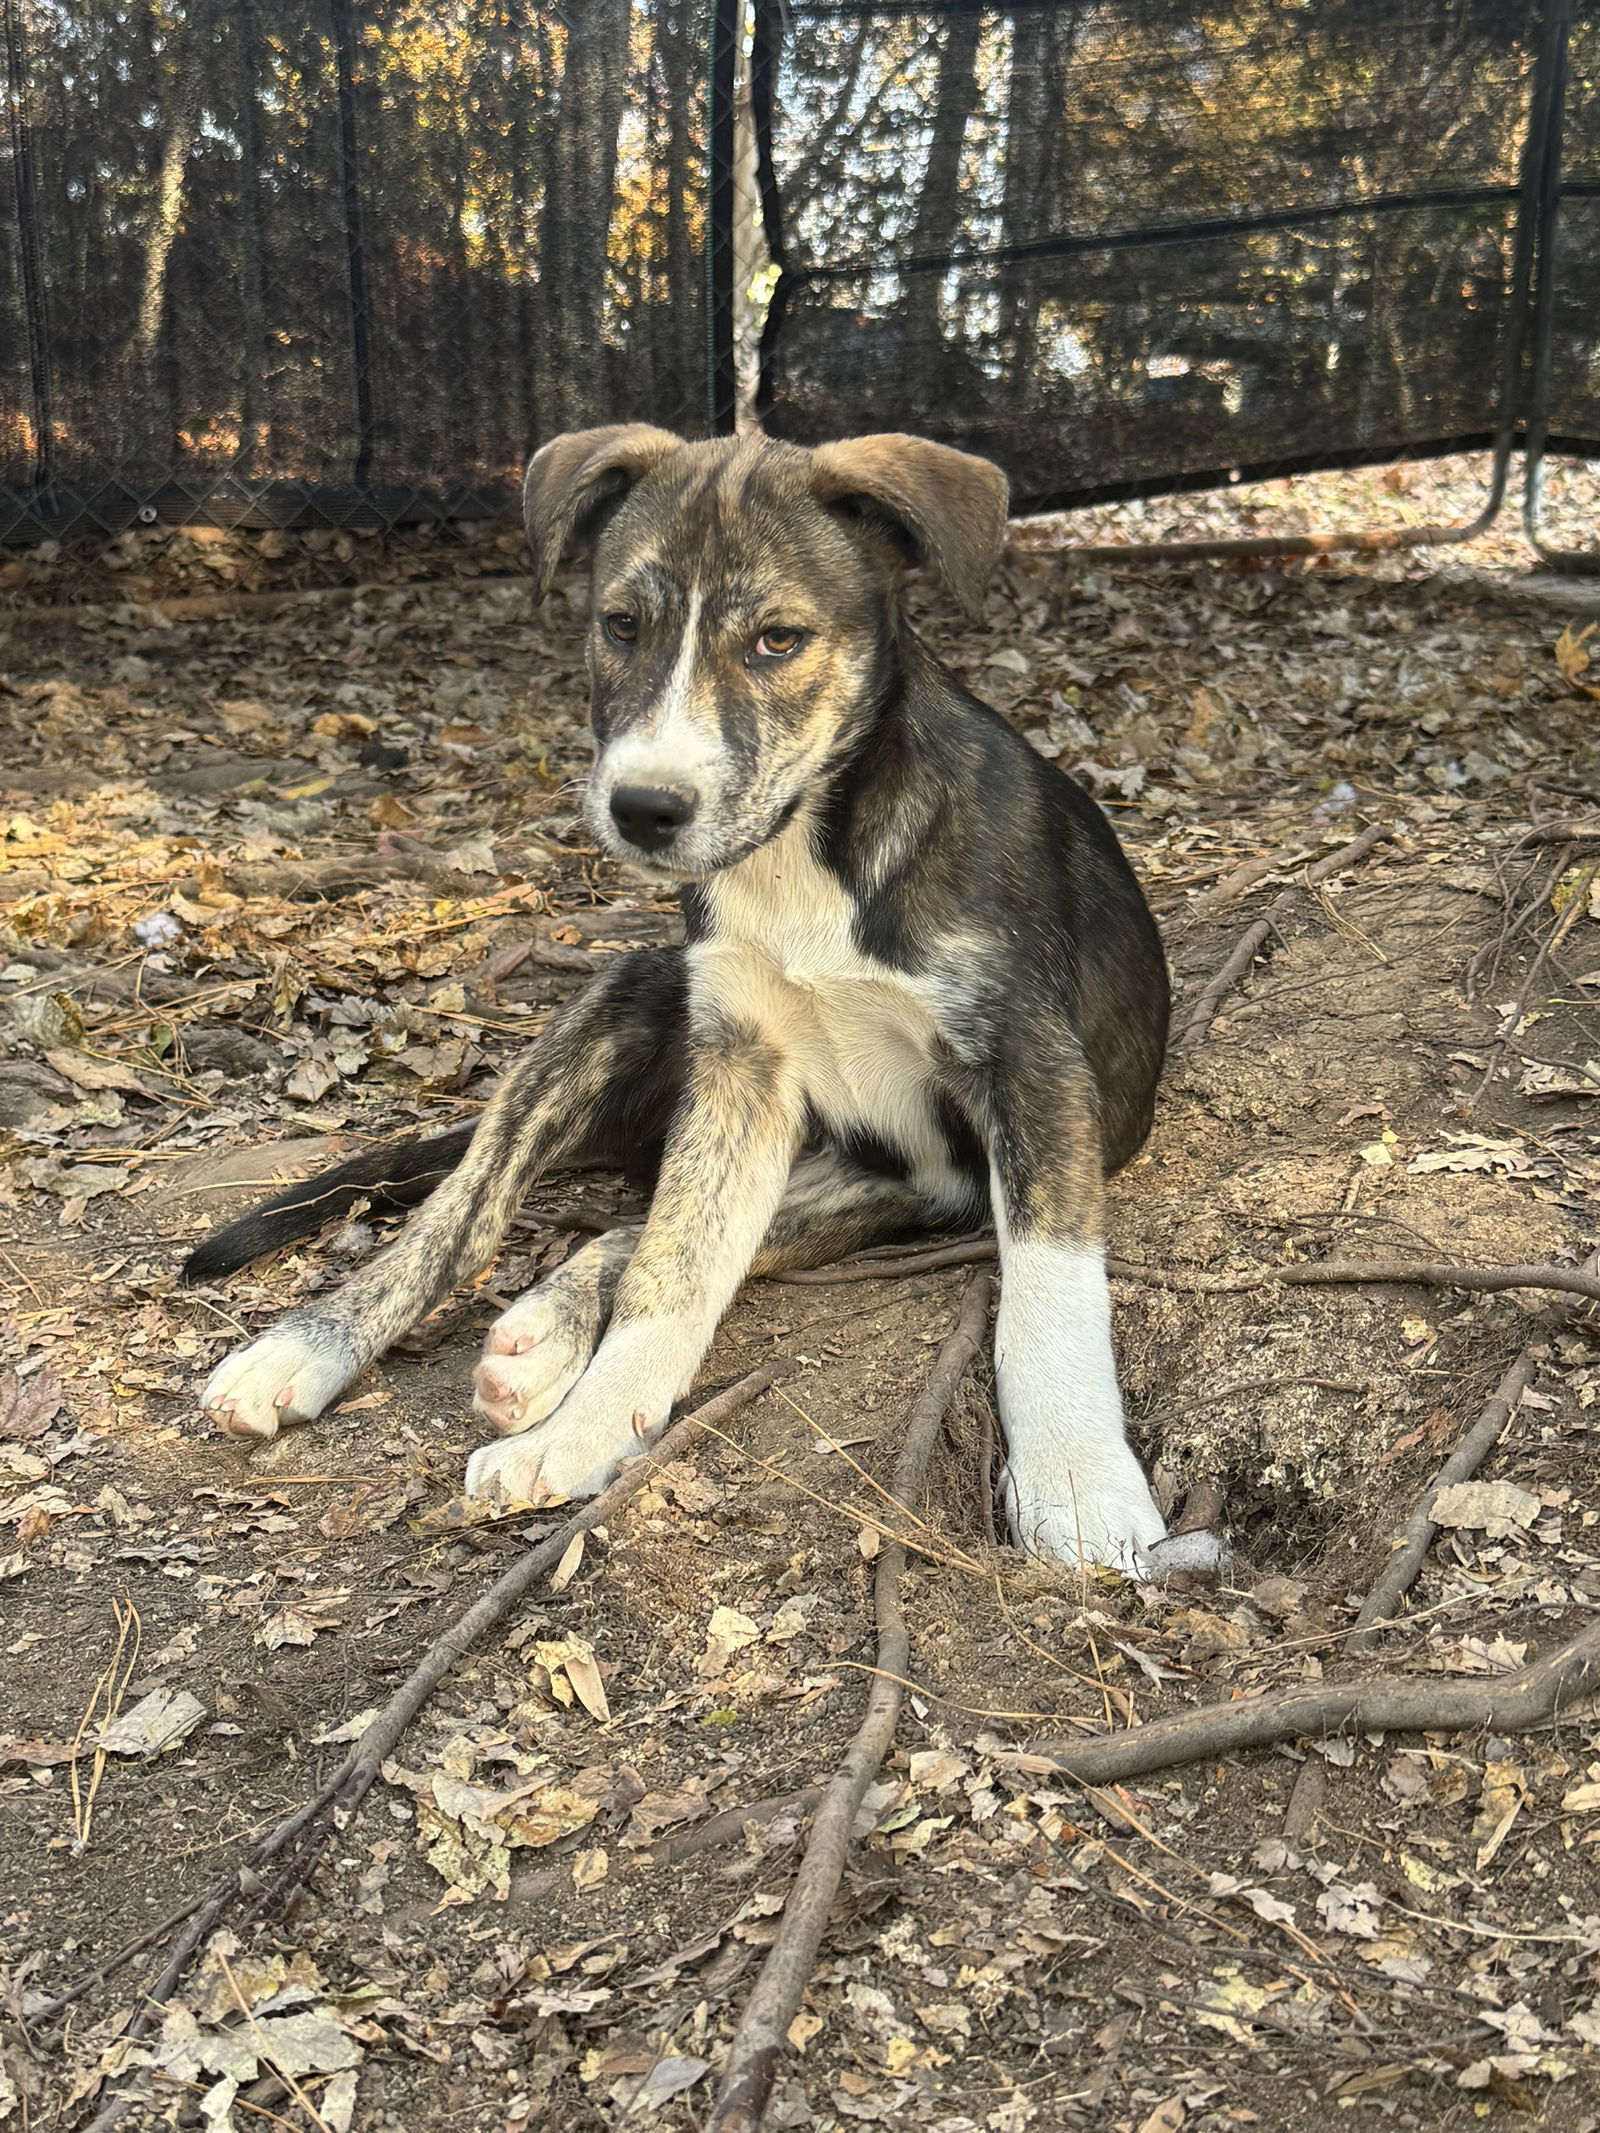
point(540, 1346)
point(596, 1086)
point(833, 1207)
point(1073, 1484)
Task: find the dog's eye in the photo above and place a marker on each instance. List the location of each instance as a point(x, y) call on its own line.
point(622, 628)
point(779, 643)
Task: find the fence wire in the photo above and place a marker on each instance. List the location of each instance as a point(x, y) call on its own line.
point(300, 263)
point(279, 262)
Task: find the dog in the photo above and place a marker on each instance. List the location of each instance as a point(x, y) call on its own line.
point(921, 987)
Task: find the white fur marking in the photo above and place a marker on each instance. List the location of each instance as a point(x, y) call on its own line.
point(539, 1348)
point(285, 1376)
point(672, 748)
point(1075, 1489)
point(861, 1036)
point(638, 1370)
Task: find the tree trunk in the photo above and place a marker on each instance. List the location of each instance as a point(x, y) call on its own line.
point(939, 207)
point(252, 272)
point(1035, 153)
point(578, 206)
point(183, 95)
point(681, 76)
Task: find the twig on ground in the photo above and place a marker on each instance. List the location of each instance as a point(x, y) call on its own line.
point(966, 1251)
point(1557, 833)
point(1411, 1545)
point(1383, 1703)
point(762, 2034)
point(330, 1808)
point(1518, 912)
point(1254, 938)
point(1571, 911)
point(1399, 1574)
point(729, 1824)
point(1427, 1273)
point(1242, 878)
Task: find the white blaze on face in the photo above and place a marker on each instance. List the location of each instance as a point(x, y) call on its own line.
point(677, 746)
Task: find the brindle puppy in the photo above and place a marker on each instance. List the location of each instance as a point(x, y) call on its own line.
point(921, 987)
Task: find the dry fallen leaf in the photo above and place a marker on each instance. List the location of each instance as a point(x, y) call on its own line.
point(1573, 657)
point(153, 1725)
point(728, 1632)
point(570, 1665)
point(567, 1569)
point(1350, 1910)
point(300, 1624)
point(589, 1869)
point(1167, 2117)
point(803, 2028)
point(1497, 1507)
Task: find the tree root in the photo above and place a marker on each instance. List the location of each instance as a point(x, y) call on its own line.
point(1254, 938)
point(1427, 1273)
point(1384, 1703)
point(1411, 1545)
point(762, 2035)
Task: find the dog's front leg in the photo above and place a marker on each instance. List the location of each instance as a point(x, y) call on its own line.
point(1073, 1486)
point(581, 1071)
point(727, 1162)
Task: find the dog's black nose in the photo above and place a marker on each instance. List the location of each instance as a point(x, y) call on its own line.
point(649, 818)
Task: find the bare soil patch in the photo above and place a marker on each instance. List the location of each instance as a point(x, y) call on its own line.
point(275, 883)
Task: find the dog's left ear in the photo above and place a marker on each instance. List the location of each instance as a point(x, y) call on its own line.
point(570, 481)
point(945, 507)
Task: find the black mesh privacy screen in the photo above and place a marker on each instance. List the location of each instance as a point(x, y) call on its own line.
point(1574, 265)
point(1139, 243)
point(269, 252)
point(266, 260)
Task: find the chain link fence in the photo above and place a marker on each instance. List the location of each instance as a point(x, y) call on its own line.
point(267, 261)
point(319, 263)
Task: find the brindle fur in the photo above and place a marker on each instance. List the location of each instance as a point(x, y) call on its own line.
point(920, 984)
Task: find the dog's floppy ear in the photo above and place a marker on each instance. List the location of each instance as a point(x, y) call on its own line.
point(946, 507)
point(573, 477)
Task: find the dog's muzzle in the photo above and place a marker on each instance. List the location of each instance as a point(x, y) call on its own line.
point(650, 817)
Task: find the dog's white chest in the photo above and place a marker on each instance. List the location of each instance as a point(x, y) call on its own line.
point(782, 958)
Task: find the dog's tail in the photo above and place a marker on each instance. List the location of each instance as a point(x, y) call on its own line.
point(389, 1178)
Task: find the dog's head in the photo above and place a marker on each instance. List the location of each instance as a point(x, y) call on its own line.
point(742, 595)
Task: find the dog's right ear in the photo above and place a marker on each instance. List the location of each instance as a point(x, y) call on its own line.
point(573, 478)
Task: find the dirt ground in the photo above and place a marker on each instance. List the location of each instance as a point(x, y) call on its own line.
point(273, 883)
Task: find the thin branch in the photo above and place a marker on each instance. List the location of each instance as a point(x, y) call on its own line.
point(762, 2035)
point(1556, 833)
point(1384, 1703)
point(966, 1251)
point(1572, 910)
point(1411, 1545)
point(1399, 1574)
point(1254, 938)
point(731, 1823)
point(311, 1825)
point(1427, 1273)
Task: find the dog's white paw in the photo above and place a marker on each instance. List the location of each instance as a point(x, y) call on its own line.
point(539, 1348)
point(1099, 1510)
point(288, 1375)
point(613, 1412)
point(536, 1352)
